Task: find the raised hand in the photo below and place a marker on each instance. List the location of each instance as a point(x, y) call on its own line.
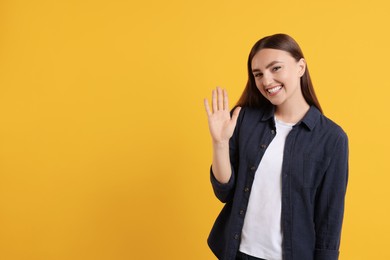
point(221, 125)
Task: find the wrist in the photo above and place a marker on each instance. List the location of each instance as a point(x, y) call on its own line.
point(221, 144)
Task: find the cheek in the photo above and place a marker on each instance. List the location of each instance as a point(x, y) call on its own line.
point(260, 88)
point(284, 77)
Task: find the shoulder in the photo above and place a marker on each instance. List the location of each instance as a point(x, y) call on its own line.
point(319, 123)
point(322, 131)
point(328, 125)
point(333, 135)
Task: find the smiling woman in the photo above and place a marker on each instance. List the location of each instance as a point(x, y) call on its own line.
point(277, 75)
point(279, 165)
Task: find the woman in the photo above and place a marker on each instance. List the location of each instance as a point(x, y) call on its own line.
point(279, 165)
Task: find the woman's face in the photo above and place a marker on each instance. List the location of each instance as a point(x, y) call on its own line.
point(277, 75)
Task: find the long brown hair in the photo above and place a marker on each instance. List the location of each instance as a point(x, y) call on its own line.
point(251, 96)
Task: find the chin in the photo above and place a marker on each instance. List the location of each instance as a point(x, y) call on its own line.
point(276, 102)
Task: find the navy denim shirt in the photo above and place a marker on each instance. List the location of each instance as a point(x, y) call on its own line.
point(314, 181)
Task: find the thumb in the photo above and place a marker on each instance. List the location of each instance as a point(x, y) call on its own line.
point(235, 114)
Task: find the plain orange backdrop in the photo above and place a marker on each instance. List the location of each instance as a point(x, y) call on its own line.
point(104, 145)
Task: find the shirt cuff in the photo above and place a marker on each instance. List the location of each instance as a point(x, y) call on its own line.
point(326, 254)
point(221, 186)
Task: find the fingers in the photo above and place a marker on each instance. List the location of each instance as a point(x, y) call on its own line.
point(225, 100)
point(214, 101)
point(219, 101)
point(220, 98)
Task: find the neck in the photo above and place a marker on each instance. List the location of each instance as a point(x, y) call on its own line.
point(292, 113)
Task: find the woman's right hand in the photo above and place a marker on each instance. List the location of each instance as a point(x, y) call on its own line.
point(221, 124)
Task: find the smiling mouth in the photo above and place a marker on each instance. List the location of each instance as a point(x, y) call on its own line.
point(274, 89)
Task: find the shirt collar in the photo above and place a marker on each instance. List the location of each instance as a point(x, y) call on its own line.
point(309, 120)
point(269, 113)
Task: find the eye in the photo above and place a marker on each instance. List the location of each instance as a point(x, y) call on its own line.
point(258, 75)
point(276, 68)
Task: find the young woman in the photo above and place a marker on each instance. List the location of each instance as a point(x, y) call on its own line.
point(279, 165)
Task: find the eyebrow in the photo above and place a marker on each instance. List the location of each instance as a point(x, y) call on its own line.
point(269, 65)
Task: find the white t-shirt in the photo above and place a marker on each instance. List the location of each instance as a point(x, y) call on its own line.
point(262, 232)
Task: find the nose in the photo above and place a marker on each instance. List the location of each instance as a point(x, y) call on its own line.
point(267, 79)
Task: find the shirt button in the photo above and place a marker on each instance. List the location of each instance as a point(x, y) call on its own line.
point(263, 146)
point(242, 212)
point(246, 189)
point(272, 131)
point(253, 168)
point(236, 236)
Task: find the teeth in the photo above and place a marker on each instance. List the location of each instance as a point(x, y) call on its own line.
point(275, 89)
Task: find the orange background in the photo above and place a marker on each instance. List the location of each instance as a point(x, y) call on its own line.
point(104, 145)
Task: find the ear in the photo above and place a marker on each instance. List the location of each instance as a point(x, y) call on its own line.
point(301, 67)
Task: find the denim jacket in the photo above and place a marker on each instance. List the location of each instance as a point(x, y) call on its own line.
point(314, 181)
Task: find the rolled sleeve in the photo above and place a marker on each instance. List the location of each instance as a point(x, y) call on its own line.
point(223, 191)
point(326, 254)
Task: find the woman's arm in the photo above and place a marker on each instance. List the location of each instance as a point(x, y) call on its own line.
point(221, 126)
point(329, 207)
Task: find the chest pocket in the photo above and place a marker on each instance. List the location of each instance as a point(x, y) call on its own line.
point(313, 171)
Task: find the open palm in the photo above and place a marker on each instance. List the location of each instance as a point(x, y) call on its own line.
point(221, 124)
